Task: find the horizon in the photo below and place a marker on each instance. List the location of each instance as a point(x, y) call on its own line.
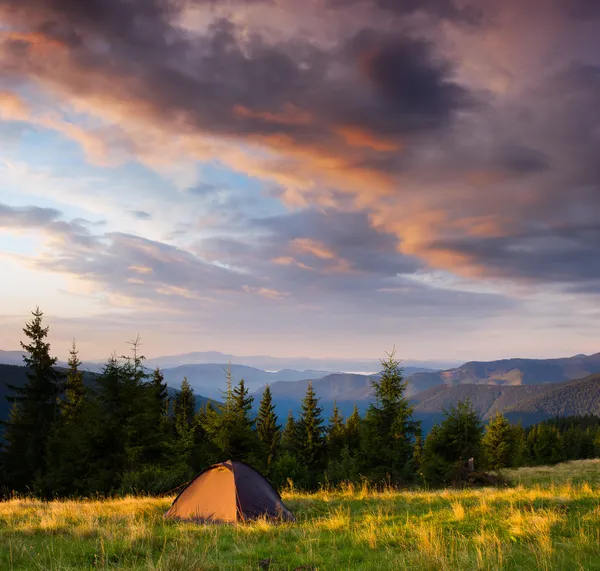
point(411, 361)
point(308, 180)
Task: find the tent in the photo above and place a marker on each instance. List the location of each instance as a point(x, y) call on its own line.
point(229, 492)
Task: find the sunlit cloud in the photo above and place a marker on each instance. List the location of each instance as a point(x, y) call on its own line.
point(436, 160)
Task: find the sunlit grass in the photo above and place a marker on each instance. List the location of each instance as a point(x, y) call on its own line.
point(550, 519)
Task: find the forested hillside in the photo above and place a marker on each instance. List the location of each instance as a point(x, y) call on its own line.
point(511, 372)
point(579, 397)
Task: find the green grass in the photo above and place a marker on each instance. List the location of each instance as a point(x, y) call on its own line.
point(549, 520)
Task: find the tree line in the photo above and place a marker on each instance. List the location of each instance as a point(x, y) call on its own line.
point(125, 434)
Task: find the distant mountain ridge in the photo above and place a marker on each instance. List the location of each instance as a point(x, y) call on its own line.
point(512, 372)
point(526, 403)
point(502, 373)
point(578, 397)
point(210, 378)
point(270, 364)
point(491, 386)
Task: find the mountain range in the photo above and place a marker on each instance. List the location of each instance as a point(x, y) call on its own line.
point(490, 385)
point(525, 389)
point(268, 363)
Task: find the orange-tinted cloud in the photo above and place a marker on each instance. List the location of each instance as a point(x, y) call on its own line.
point(12, 107)
point(374, 120)
point(290, 115)
point(357, 137)
point(313, 247)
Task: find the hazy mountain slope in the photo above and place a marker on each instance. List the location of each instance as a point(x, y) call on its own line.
point(578, 397)
point(211, 378)
point(486, 399)
point(335, 386)
point(269, 363)
point(11, 357)
point(501, 374)
point(512, 372)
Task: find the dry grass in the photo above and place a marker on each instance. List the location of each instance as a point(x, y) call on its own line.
point(549, 520)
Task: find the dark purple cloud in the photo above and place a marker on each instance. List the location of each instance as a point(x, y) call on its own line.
point(387, 100)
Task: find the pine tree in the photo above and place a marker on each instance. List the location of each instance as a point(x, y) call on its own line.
point(546, 445)
point(184, 424)
point(336, 433)
point(161, 392)
point(353, 429)
point(185, 404)
point(289, 436)
point(242, 403)
point(68, 444)
point(288, 467)
point(500, 443)
point(74, 389)
point(448, 447)
point(125, 440)
point(35, 412)
point(389, 431)
point(231, 432)
point(269, 433)
point(311, 437)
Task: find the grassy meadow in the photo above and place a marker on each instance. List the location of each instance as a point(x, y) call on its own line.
point(548, 519)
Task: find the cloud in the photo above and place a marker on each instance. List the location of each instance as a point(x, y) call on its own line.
point(560, 255)
point(445, 9)
point(141, 215)
point(401, 142)
point(268, 96)
point(132, 271)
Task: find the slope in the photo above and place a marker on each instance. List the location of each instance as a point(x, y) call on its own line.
point(511, 372)
point(210, 378)
point(578, 397)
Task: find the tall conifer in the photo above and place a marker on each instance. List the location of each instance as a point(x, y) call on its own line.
point(336, 433)
point(74, 389)
point(289, 435)
point(160, 392)
point(35, 412)
point(185, 404)
point(390, 431)
point(266, 426)
point(311, 435)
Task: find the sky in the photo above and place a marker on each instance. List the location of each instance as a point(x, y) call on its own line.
point(319, 178)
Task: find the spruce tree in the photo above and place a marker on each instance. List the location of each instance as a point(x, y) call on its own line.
point(336, 433)
point(269, 432)
point(242, 403)
point(75, 391)
point(231, 431)
point(500, 443)
point(126, 437)
point(353, 428)
point(35, 412)
point(289, 436)
point(185, 404)
point(288, 468)
point(546, 445)
point(311, 437)
point(449, 446)
point(389, 430)
point(161, 393)
point(184, 424)
point(68, 445)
